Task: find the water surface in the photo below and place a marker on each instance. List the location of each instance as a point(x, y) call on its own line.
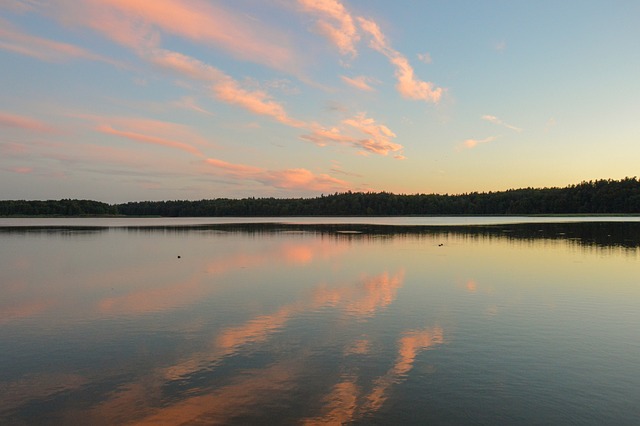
point(336, 323)
point(306, 220)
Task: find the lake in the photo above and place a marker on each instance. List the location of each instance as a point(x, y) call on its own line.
point(522, 321)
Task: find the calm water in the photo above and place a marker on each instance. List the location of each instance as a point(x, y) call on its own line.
point(303, 324)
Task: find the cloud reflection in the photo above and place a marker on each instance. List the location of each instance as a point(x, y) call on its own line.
point(409, 345)
point(218, 407)
point(37, 386)
point(137, 404)
point(361, 299)
point(340, 405)
point(347, 402)
point(209, 382)
point(144, 285)
point(23, 310)
point(197, 286)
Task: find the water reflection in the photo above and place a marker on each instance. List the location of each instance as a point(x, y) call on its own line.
point(347, 402)
point(596, 233)
point(409, 345)
point(252, 388)
point(135, 285)
point(255, 387)
point(289, 324)
point(360, 299)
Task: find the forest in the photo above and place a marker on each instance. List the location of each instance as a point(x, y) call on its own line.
point(592, 197)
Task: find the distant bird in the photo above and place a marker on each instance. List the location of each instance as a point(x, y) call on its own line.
point(178, 257)
point(440, 245)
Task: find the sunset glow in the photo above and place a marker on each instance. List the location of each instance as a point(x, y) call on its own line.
point(123, 100)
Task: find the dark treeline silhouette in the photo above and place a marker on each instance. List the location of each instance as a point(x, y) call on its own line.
point(593, 197)
point(602, 196)
point(56, 208)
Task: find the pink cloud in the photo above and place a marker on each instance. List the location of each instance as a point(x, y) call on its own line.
point(495, 120)
point(19, 6)
point(154, 132)
point(26, 123)
point(408, 85)
point(361, 82)
point(239, 170)
point(139, 24)
point(286, 179)
point(190, 103)
point(378, 40)
point(154, 140)
point(369, 126)
point(53, 157)
point(258, 102)
point(158, 127)
point(184, 65)
point(335, 23)
point(21, 170)
point(345, 36)
point(377, 140)
point(472, 143)
point(224, 87)
point(380, 135)
point(323, 137)
point(14, 40)
point(154, 128)
point(304, 179)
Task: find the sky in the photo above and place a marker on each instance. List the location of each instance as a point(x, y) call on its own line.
point(126, 100)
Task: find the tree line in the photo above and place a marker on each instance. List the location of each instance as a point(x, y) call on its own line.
point(592, 197)
point(66, 207)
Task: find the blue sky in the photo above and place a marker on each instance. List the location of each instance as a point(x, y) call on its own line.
point(119, 100)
